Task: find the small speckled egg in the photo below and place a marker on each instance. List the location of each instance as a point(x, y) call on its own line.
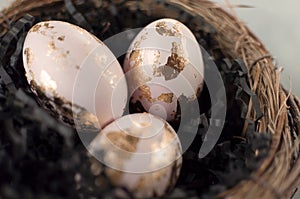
point(75, 72)
point(163, 63)
point(141, 152)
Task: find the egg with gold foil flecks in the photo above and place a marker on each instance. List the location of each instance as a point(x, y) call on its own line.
point(74, 73)
point(141, 152)
point(164, 62)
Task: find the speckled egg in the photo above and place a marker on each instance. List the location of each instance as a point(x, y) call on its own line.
point(163, 63)
point(74, 73)
point(141, 152)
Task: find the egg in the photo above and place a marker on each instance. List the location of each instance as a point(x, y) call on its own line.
point(141, 152)
point(75, 73)
point(163, 63)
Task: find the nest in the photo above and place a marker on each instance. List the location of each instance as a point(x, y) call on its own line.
point(41, 157)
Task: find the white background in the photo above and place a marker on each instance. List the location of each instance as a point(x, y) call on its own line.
point(277, 24)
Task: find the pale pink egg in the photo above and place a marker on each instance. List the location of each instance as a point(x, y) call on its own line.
point(63, 61)
point(164, 62)
point(141, 152)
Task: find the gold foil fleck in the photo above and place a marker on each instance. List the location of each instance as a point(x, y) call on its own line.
point(35, 28)
point(177, 60)
point(123, 141)
point(29, 56)
point(166, 97)
point(47, 25)
point(163, 29)
point(51, 45)
point(135, 57)
point(146, 93)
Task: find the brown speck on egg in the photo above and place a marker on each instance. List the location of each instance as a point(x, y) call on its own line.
point(48, 26)
point(199, 90)
point(35, 28)
point(166, 97)
point(61, 38)
point(65, 54)
point(29, 56)
point(51, 45)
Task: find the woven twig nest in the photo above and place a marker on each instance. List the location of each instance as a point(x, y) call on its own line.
point(269, 109)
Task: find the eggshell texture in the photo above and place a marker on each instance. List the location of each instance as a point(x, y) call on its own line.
point(65, 62)
point(164, 59)
point(142, 152)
